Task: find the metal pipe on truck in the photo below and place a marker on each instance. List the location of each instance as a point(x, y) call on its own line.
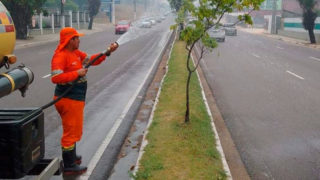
point(17, 78)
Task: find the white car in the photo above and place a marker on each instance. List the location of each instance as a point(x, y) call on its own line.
point(218, 34)
point(230, 29)
point(145, 24)
point(153, 22)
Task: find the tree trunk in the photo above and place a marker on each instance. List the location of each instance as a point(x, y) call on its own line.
point(187, 115)
point(22, 32)
point(90, 22)
point(311, 36)
point(21, 19)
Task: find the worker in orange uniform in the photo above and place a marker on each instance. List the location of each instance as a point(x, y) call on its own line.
point(67, 66)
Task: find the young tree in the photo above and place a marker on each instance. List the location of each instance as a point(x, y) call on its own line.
point(94, 6)
point(206, 15)
point(309, 16)
point(21, 12)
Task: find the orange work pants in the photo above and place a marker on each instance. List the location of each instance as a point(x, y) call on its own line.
point(71, 113)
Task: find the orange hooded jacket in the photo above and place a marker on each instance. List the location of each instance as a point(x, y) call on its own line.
point(64, 67)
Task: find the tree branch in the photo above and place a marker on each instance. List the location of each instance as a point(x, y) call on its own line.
point(201, 56)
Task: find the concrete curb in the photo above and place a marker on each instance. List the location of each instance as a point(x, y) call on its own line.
point(232, 156)
point(214, 129)
point(144, 142)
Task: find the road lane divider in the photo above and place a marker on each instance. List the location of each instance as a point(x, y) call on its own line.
point(255, 55)
point(314, 58)
point(295, 75)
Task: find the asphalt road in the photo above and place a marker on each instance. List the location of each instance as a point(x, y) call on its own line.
point(113, 87)
point(268, 94)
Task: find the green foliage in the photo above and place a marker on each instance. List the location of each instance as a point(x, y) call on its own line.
point(207, 15)
point(31, 6)
point(81, 3)
point(307, 4)
point(94, 6)
point(56, 4)
point(176, 4)
point(246, 18)
point(309, 13)
point(21, 12)
point(309, 16)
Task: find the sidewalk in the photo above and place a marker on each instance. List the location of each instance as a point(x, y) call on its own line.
point(263, 32)
point(39, 39)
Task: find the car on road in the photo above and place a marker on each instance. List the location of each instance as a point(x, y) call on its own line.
point(122, 26)
point(145, 24)
point(158, 19)
point(217, 33)
point(153, 22)
point(230, 29)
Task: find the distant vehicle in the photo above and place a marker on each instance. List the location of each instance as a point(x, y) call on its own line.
point(153, 22)
point(218, 34)
point(145, 24)
point(158, 19)
point(122, 26)
point(163, 17)
point(230, 29)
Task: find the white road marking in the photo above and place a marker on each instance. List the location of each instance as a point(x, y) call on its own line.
point(48, 75)
point(217, 138)
point(295, 75)
point(280, 47)
point(314, 58)
point(255, 55)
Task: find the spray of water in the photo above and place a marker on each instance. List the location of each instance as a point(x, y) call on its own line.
point(133, 33)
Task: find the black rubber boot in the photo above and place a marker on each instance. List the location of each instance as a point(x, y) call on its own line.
point(78, 157)
point(70, 166)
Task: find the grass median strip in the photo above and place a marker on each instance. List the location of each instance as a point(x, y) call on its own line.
point(177, 150)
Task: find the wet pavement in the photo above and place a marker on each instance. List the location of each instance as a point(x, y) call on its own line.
point(130, 150)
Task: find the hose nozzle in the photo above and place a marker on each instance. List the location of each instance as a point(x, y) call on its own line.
point(112, 48)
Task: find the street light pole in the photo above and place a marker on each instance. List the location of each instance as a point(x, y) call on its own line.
point(273, 21)
point(62, 14)
point(134, 9)
point(145, 5)
point(113, 13)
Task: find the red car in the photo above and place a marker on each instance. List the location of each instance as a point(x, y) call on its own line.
point(122, 26)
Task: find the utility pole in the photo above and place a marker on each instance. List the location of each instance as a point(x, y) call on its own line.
point(113, 13)
point(62, 14)
point(145, 5)
point(273, 21)
point(134, 10)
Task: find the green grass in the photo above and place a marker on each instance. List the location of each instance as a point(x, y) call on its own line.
point(179, 150)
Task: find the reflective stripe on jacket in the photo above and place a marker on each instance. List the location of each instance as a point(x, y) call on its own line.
point(64, 67)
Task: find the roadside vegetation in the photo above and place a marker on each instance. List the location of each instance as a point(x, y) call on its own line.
point(179, 150)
